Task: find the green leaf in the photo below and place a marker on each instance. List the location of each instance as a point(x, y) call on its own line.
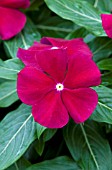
point(21, 164)
point(31, 153)
point(55, 26)
point(80, 12)
point(102, 5)
point(40, 130)
point(8, 93)
point(34, 5)
point(103, 111)
point(105, 5)
point(62, 163)
point(81, 32)
point(48, 134)
point(17, 132)
point(10, 68)
point(107, 79)
point(87, 146)
point(39, 146)
point(105, 64)
point(24, 39)
point(101, 48)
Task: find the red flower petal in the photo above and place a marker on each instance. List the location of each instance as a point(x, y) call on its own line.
point(107, 23)
point(75, 46)
point(38, 46)
point(50, 111)
point(54, 62)
point(82, 72)
point(15, 3)
point(80, 103)
point(32, 85)
point(11, 22)
point(28, 57)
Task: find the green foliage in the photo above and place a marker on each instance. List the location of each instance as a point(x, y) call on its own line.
point(102, 5)
point(80, 12)
point(105, 64)
point(10, 68)
point(21, 164)
point(25, 144)
point(57, 163)
point(107, 78)
point(40, 130)
point(101, 48)
point(87, 146)
point(17, 132)
point(34, 5)
point(103, 112)
point(39, 147)
point(48, 134)
point(8, 93)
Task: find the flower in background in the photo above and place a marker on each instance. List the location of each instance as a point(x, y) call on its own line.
point(107, 24)
point(56, 81)
point(11, 19)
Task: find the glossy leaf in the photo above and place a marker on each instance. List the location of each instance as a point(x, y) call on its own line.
point(80, 12)
point(40, 130)
point(8, 93)
point(61, 163)
point(103, 111)
point(107, 78)
point(81, 32)
point(102, 5)
point(17, 132)
point(105, 64)
point(10, 68)
point(101, 48)
point(48, 134)
point(87, 146)
point(39, 146)
point(21, 164)
point(54, 26)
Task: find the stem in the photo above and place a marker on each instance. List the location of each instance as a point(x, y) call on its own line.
point(22, 37)
point(89, 147)
point(96, 3)
point(54, 28)
point(16, 166)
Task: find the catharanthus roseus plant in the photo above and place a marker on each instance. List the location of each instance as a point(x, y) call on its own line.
point(56, 91)
point(56, 81)
point(12, 20)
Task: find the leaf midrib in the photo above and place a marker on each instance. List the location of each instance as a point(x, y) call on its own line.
point(5, 68)
point(107, 107)
point(13, 137)
point(10, 93)
point(89, 146)
point(84, 15)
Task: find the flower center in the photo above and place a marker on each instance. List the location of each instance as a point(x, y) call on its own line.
point(53, 48)
point(59, 87)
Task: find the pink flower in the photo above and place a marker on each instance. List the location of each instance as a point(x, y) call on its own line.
point(11, 19)
point(56, 81)
point(107, 24)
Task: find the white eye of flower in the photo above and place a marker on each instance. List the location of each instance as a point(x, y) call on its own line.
point(53, 48)
point(59, 87)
